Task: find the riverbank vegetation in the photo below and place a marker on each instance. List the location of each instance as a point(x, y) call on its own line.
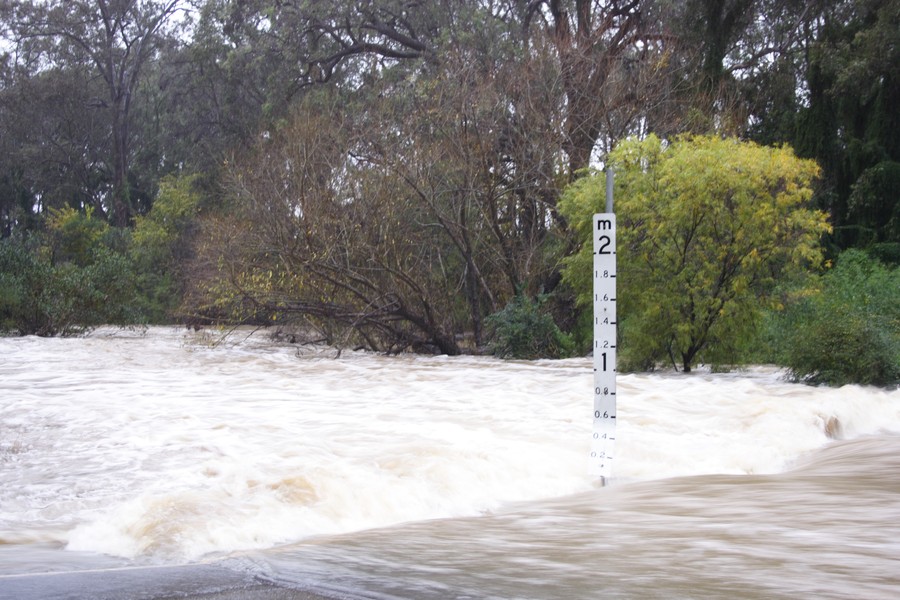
point(400, 175)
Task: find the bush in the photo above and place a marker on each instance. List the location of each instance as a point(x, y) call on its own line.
point(19, 272)
point(846, 329)
point(38, 297)
point(523, 330)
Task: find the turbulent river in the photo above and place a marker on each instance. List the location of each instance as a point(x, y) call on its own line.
point(436, 477)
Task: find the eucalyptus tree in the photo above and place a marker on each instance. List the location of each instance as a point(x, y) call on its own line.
point(485, 171)
point(52, 154)
point(111, 41)
point(849, 121)
point(286, 46)
point(611, 55)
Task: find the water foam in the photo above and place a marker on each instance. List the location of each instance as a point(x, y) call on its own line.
point(170, 446)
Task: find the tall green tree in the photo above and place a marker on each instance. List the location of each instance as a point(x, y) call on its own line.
point(51, 155)
point(745, 63)
point(112, 41)
point(705, 227)
point(850, 120)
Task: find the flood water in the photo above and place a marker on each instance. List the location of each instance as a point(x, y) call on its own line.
point(437, 477)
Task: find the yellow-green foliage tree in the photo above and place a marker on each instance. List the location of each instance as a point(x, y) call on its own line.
point(705, 227)
point(75, 236)
point(161, 244)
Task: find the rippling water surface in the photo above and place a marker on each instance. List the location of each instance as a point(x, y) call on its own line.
point(436, 477)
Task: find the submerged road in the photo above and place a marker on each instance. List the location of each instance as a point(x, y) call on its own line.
point(206, 582)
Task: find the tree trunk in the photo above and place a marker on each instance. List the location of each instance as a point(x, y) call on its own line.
point(121, 203)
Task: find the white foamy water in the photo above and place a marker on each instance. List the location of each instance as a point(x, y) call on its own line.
point(165, 446)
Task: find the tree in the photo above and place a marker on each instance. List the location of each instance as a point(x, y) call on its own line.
point(484, 166)
point(51, 155)
point(705, 226)
point(463, 154)
point(610, 58)
point(315, 233)
point(612, 55)
point(272, 50)
point(740, 43)
point(114, 40)
point(849, 121)
point(160, 245)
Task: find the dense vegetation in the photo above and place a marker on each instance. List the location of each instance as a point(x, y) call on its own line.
point(393, 174)
point(844, 327)
point(707, 227)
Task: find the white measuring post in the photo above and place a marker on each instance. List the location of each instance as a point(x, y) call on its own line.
point(604, 431)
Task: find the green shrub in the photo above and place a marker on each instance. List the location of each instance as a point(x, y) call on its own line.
point(845, 329)
point(17, 270)
point(524, 330)
point(38, 297)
